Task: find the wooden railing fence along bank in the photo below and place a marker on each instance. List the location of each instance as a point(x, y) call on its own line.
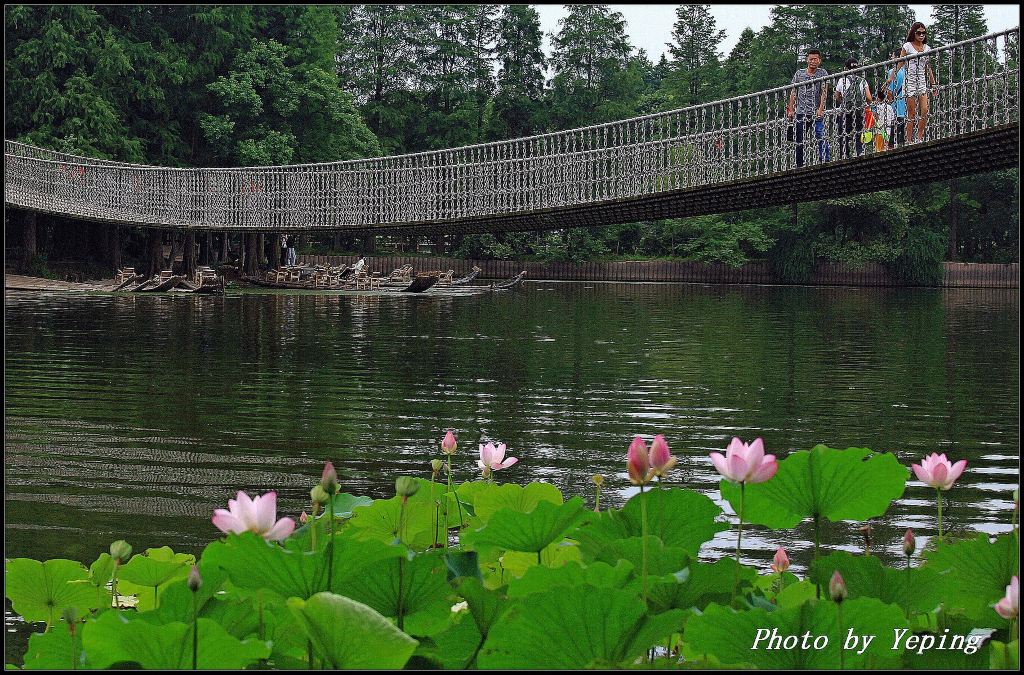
point(956, 275)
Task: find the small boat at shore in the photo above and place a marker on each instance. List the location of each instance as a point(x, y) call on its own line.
point(413, 284)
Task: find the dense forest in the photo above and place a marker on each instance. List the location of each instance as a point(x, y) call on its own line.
point(250, 85)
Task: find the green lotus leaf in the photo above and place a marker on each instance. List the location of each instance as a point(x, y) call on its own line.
point(146, 575)
point(423, 519)
point(696, 585)
point(491, 498)
point(730, 636)
point(122, 637)
point(665, 520)
point(974, 575)
point(851, 484)
point(456, 647)
point(660, 558)
point(462, 564)
point(513, 564)
point(538, 579)
point(348, 634)
point(40, 591)
point(512, 530)
point(344, 508)
point(572, 628)
point(950, 658)
point(920, 590)
point(102, 570)
point(485, 606)
point(796, 594)
point(55, 649)
point(252, 562)
point(419, 587)
point(176, 598)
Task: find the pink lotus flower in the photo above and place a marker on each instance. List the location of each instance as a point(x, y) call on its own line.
point(909, 543)
point(936, 471)
point(1009, 606)
point(448, 444)
point(638, 464)
point(493, 458)
point(257, 515)
point(744, 463)
point(780, 563)
point(661, 458)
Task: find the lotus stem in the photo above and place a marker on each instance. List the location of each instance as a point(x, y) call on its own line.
point(195, 631)
point(316, 512)
point(448, 470)
point(842, 664)
point(458, 502)
point(113, 589)
point(938, 494)
point(309, 653)
point(597, 499)
point(739, 543)
point(817, 538)
point(908, 589)
point(643, 542)
point(74, 646)
point(330, 546)
point(437, 508)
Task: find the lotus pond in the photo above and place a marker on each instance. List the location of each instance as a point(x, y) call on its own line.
point(136, 418)
point(488, 575)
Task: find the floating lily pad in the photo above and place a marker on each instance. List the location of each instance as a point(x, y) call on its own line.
point(851, 484)
point(349, 635)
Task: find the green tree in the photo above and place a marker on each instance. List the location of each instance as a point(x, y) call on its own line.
point(590, 51)
point(837, 31)
point(737, 71)
point(518, 106)
point(954, 23)
point(695, 67)
point(884, 30)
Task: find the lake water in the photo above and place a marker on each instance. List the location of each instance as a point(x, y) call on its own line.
point(135, 417)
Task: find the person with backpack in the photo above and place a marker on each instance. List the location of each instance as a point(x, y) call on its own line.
point(895, 78)
point(853, 95)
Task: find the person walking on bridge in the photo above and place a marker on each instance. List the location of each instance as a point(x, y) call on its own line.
point(807, 101)
point(918, 73)
point(853, 95)
point(895, 78)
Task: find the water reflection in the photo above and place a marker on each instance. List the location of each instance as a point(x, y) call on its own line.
point(134, 417)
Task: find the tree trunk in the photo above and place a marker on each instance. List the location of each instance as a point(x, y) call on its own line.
point(188, 257)
point(155, 254)
point(252, 255)
point(28, 238)
point(276, 251)
point(261, 249)
point(223, 247)
point(954, 217)
point(114, 233)
point(205, 248)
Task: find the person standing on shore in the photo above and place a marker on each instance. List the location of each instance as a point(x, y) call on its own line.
point(807, 101)
point(291, 250)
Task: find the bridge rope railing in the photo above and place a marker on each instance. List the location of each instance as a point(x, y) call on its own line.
point(745, 137)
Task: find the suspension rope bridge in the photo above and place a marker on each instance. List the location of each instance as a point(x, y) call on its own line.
point(726, 155)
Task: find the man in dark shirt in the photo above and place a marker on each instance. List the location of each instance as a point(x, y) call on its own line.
point(807, 100)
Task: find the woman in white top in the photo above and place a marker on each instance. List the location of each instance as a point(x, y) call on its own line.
point(919, 73)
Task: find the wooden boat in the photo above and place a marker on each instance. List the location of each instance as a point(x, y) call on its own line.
point(459, 291)
point(130, 281)
point(510, 283)
point(466, 279)
point(159, 284)
point(418, 284)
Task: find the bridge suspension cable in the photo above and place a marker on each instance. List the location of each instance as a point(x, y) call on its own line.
point(664, 159)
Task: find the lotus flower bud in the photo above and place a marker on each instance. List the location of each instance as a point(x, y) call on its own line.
point(329, 479)
point(909, 544)
point(436, 465)
point(837, 587)
point(406, 486)
point(303, 517)
point(319, 496)
point(638, 464)
point(780, 563)
point(120, 551)
point(195, 580)
point(598, 479)
point(70, 615)
point(448, 445)
point(661, 458)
